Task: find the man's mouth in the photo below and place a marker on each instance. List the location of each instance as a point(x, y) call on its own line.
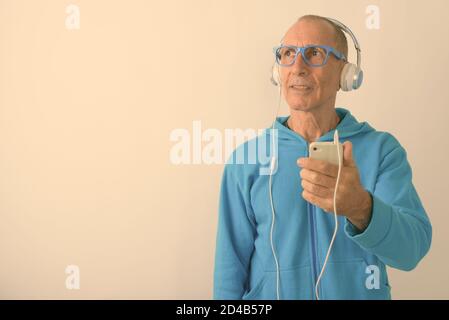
point(301, 87)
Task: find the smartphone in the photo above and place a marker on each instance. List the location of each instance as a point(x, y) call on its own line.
point(326, 151)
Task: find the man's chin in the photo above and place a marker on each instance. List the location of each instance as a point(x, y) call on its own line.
point(299, 101)
point(300, 105)
point(300, 108)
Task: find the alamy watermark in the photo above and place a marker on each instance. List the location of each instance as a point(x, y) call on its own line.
point(72, 282)
point(212, 146)
point(373, 279)
point(72, 20)
point(372, 21)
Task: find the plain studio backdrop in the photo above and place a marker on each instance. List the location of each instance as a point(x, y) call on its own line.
point(92, 91)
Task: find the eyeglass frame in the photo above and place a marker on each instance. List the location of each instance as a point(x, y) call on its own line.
point(329, 49)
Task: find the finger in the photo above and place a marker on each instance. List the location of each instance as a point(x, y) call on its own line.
point(320, 166)
point(348, 159)
point(317, 190)
point(317, 178)
point(317, 201)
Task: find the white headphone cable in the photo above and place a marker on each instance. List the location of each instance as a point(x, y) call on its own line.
point(337, 141)
point(272, 166)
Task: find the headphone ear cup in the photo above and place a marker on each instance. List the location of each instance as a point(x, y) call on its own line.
point(351, 77)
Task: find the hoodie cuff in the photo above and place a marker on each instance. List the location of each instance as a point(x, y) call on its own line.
point(377, 229)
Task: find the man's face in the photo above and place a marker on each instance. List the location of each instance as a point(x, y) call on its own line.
point(322, 82)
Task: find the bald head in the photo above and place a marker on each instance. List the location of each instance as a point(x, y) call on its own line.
point(307, 87)
point(325, 26)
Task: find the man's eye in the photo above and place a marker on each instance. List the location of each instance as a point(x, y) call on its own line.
point(288, 53)
point(317, 52)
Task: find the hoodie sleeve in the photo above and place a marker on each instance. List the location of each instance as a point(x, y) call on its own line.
point(235, 236)
point(399, 232)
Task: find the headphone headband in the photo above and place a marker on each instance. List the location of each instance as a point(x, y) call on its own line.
point(353, 37)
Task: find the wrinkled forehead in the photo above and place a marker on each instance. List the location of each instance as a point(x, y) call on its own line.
point(306, 32)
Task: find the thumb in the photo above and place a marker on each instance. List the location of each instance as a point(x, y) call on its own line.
point(348, 160)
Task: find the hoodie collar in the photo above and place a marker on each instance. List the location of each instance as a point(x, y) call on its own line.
point(347, 127)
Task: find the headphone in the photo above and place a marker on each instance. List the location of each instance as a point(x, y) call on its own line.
point(351, 77)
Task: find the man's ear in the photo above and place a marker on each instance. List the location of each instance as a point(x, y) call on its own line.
point(341, 66)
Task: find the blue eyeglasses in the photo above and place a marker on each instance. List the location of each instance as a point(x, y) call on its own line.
point(314, 55)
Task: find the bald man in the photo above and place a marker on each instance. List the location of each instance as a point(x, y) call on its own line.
point(382, 218)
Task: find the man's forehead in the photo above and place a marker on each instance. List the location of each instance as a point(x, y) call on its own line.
point(309, 32)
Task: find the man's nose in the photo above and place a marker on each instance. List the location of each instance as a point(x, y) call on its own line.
point(300, 66)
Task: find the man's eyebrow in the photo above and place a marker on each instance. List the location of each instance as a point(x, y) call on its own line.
point(294, 45)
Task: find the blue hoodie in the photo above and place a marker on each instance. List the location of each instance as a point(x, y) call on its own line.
point(398, 235)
